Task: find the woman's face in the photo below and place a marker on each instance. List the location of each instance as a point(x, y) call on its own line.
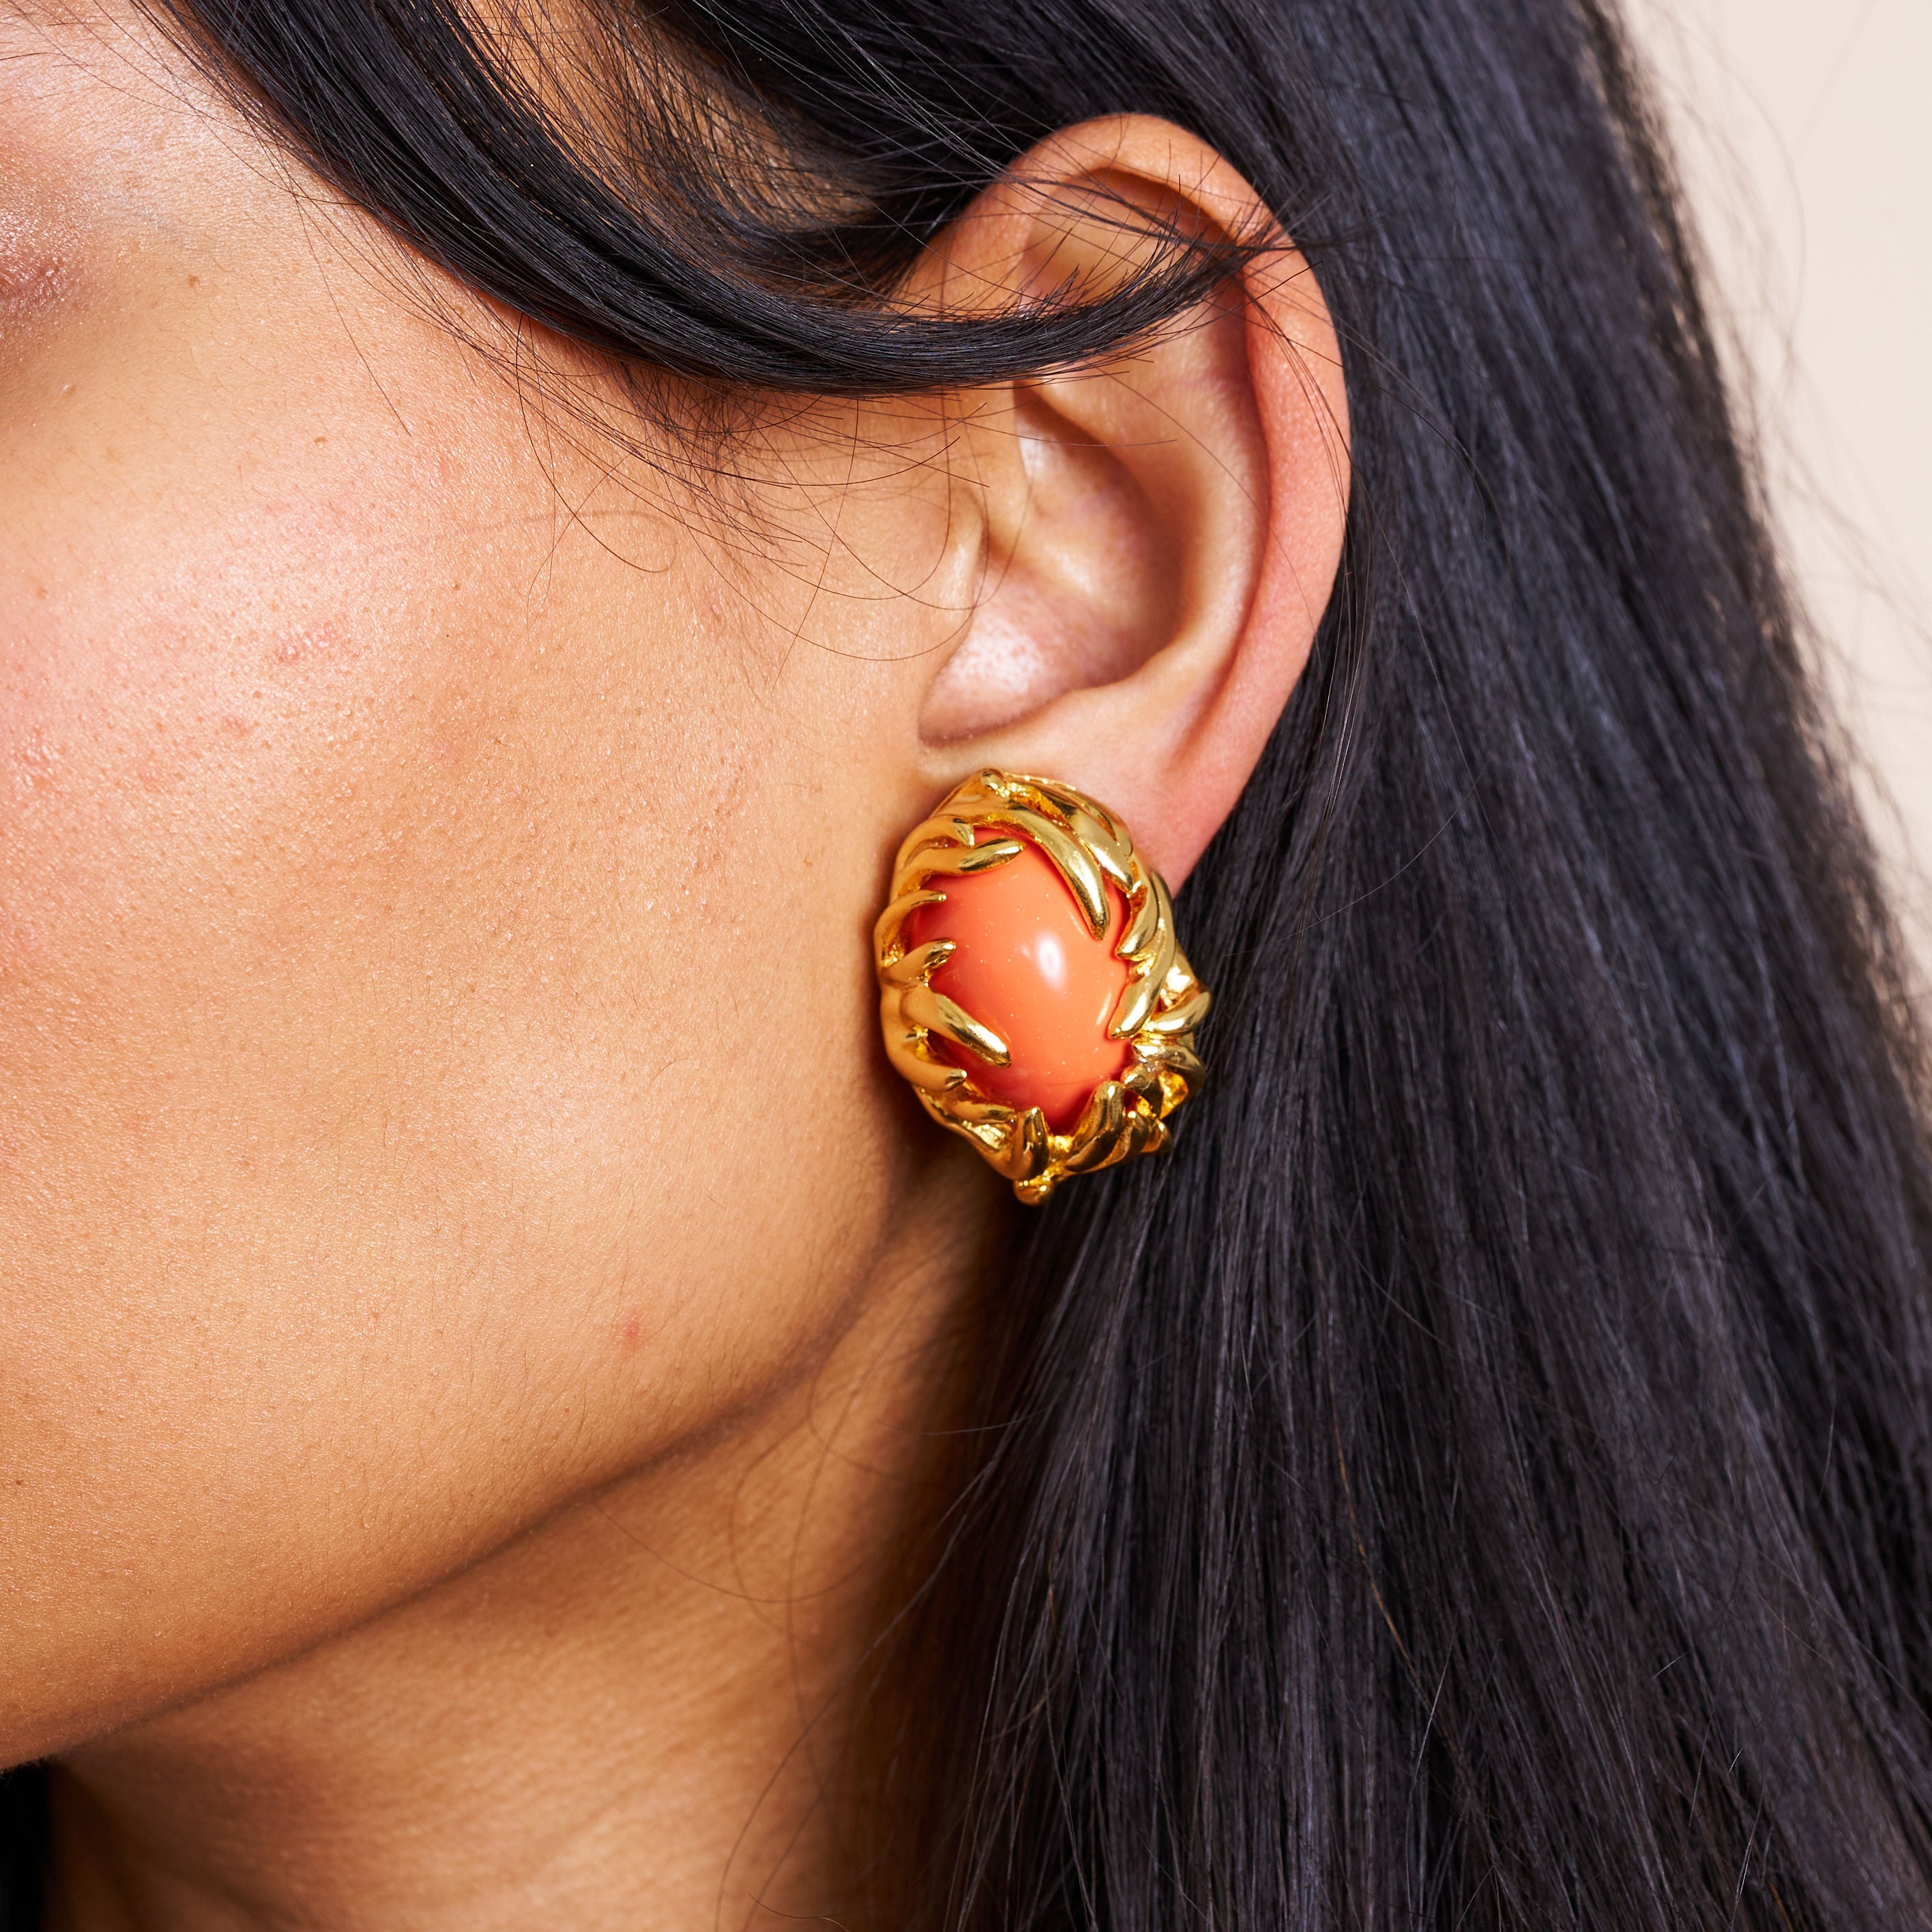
point(437, 867)
point(438, 1068)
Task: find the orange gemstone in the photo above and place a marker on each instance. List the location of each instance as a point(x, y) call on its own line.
point(1027, 967)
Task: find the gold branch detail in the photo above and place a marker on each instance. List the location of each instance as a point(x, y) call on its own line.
point(977, 827)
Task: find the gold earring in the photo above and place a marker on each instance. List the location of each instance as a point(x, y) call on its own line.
point(1030, 987)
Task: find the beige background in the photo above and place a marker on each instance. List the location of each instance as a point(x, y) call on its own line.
point(1804, 129)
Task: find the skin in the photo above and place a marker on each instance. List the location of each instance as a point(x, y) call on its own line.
point(478, 1304)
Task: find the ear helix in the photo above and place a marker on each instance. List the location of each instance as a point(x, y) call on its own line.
point(1031, 989)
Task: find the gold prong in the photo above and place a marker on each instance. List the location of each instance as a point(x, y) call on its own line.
point(939, 861)
point(965, 1104)
point(1136, 1002)
point(886, 931)
point(1184, 1018)
point(1164, 948)
point(985, 1123)
point(915, 968)
point(1028, 1150)
point(984, 858)
point(1112, 850)
point(1098, 1136)
point(1143, 924)
point(937, 832)
point(931, 1076)
point(1170, 1057)
point(926, 1006)
point(1069, 858)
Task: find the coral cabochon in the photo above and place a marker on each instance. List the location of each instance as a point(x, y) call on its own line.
point(1030, 987)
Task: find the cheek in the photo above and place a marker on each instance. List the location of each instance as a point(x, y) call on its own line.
point(406, 1118)
point(432, 1048)
point(201, 693)
point(369, 1010)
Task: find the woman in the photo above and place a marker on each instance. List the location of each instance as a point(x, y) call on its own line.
point(515, 1417)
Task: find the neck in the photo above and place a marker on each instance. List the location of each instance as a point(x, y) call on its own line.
point(635, 1715)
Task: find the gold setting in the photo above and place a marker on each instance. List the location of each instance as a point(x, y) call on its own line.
point(1158, 1012)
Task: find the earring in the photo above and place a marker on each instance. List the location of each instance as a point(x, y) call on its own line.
point(1029, 985)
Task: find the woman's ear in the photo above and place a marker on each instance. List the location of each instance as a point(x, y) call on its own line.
point(1159, 533)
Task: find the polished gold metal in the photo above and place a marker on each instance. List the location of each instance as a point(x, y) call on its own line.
point(976, 827)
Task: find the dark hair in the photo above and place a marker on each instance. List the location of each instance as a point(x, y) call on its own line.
point(1480, 1477)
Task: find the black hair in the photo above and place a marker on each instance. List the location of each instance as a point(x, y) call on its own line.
point(1479, 1477)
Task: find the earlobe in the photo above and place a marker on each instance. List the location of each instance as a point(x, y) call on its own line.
point(1160, 534)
